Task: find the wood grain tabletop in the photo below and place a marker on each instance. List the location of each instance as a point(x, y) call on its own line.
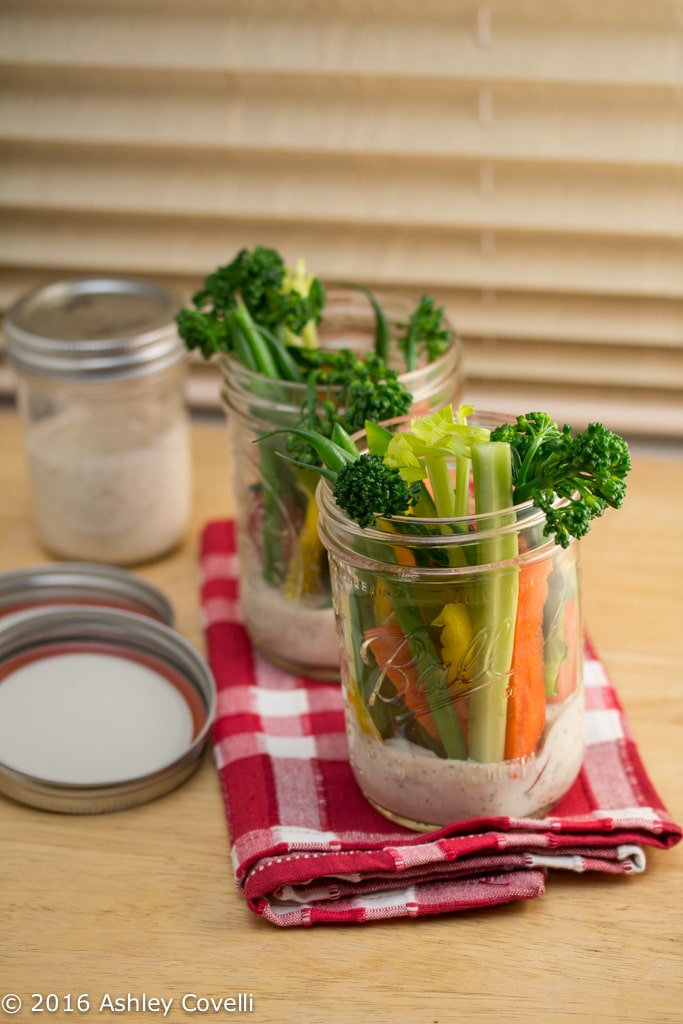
point(131, 908)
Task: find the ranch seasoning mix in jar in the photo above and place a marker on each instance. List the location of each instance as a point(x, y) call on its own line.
point(100, 375)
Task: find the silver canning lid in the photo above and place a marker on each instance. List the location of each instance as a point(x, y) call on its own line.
point(82, 583)
point(100, 709)
point(94, 328)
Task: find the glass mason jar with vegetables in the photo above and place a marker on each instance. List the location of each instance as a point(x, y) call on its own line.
point(293, 355)
point(452, 542)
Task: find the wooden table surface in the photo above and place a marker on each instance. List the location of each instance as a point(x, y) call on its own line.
point(143, 902)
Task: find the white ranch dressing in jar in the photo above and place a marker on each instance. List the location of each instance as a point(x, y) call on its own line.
point(419, 787)
point(100, 377)
point(107, 492)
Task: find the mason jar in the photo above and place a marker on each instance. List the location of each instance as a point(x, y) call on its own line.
point(461, 661)
point(283, 571)
point(100, 373)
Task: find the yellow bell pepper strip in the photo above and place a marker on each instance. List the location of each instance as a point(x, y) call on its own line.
point(459, 655)
point(304, 572)
point(383, 607)
point(456, 639)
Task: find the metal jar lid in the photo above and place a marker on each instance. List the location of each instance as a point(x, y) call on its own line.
point(82, 583)
point(100, 709)
point(94, 328)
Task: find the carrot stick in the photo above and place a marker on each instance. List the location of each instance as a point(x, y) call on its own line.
point(402, 555)
point(566, 674)
point(526, 700)
point(394, 658)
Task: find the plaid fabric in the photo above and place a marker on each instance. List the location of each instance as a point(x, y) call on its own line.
point(308, 848)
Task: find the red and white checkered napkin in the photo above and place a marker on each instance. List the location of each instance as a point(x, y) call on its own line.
point(306, 845)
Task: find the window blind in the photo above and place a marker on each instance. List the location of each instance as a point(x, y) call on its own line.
point(521, 161)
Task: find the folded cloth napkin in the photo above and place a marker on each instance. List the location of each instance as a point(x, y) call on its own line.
point(308, 848)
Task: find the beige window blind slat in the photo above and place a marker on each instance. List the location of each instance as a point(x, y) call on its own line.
point(342, 113)
point(621, 322)
point(645, 413)
point(522, 360)
point(470, 194)
point(412, 258)
point(441, 38)
point(523, 162)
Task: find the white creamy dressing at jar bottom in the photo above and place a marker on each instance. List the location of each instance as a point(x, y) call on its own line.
point(289, 633)
point(412, 784)
point(107, 492)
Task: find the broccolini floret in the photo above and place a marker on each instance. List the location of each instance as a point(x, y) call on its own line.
point(365, 389)
point(259, 278)
point(346, 390)
point(208, 335)
point(363, 485)
point(277, 302)
point(367, 488)
point(267, 315)
point(587, 470)
point(425, 332)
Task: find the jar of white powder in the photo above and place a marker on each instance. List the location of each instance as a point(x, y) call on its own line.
point(100, 378)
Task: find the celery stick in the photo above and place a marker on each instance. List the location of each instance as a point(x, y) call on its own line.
point(492, 473)
point(461, 503)
point(439, 477)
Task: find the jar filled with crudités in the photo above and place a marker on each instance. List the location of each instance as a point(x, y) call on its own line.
point(100, 373)
point(283, 572)
point(454, 563)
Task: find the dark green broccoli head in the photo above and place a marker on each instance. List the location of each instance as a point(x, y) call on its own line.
point(257, 278)
point(375, 394)
point(366, 488)
point(347, 390)
point(604, 458)
point(198, 331)
point(565, 521)
point(527, 436)
point(586, 469)
point(426, 332)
